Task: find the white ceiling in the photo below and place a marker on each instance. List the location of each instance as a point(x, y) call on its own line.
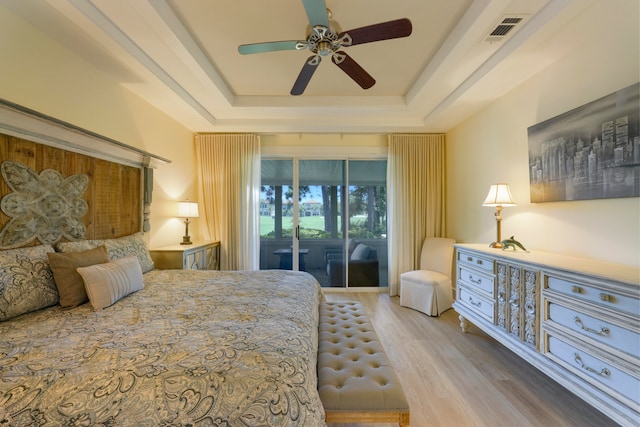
point(181, 56)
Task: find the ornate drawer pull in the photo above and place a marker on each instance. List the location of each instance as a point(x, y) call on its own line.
point(576, 289)
point(477, 281)
point(603, 371)
point(479, 262)
point(603, 330)
point(477, 304)
point(606, 297)
point(530, 308)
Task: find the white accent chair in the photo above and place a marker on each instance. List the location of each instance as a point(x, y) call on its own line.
point(429, 289)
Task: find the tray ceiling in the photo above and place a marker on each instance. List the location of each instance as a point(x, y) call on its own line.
point(182, 57)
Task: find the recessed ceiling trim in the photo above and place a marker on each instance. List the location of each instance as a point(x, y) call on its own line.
point(453, 43)
point(170, 18)
point(112, 30)
point(308, 125)
point(329, 102)
point(536, 22)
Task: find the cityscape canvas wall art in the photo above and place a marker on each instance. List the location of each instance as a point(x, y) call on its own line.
point(591, 152)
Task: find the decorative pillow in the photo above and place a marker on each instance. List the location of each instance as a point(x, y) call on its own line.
point(110, 282)
point(133, 244)
point(79, 246)
point(26, 281)
point(361, 252)
point(68, 281)
point(116, 248)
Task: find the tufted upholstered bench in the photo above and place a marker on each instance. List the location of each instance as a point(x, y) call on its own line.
point(357, 384)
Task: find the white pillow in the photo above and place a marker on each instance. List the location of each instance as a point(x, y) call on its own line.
point(109, 282)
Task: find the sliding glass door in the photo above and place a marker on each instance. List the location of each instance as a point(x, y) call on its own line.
point(277, 215)
point(322, 210)
point(366, 222)
point(322, 188)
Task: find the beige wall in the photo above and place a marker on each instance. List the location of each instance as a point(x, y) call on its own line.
point(38, 73)
point(492, 147)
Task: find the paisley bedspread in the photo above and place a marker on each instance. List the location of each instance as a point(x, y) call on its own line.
point(193, 348)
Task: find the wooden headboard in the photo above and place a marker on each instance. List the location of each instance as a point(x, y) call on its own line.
point(120, 177)
point(114, 194)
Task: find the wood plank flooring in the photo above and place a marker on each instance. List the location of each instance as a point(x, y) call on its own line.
point(457, 379)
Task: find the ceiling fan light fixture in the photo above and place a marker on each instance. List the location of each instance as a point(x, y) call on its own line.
point(324, 48)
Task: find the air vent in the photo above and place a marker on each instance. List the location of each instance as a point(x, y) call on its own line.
point(506, 26)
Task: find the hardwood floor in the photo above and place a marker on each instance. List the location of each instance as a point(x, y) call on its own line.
point(457, 379)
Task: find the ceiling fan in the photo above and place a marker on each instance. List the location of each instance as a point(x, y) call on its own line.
point(325, 38)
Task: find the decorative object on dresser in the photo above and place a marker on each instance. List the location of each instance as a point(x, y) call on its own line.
point(199, 256)
point(429, 289)
point(498, 197)
point(512, 243)
point(576, 320)
point(187, 210)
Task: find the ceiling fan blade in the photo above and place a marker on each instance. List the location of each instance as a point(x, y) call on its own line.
point(353, 69)
point(247, 49)
point(316, 12)
point(305, 75)
point(382, 31)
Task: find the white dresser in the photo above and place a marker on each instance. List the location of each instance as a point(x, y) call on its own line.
point(197, 256)
point(575, 319)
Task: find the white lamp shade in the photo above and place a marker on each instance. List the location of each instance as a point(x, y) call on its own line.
point(188, 209)
point(499, 195)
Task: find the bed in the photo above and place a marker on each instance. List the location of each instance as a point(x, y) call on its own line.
point(92, 335)
point(200, 348)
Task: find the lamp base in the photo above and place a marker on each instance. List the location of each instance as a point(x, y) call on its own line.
point(496, 245)
point(186, 239)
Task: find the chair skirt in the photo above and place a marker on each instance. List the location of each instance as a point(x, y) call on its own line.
point(426, 291)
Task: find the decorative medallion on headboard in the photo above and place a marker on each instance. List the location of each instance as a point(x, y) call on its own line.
point(46, 207)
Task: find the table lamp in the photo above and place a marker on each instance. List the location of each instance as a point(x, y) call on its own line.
point(499, 196)
point(187, 210)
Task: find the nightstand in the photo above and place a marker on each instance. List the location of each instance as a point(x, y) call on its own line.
point(198, 256)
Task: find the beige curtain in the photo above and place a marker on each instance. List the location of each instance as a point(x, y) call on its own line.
point(229, 190)
point(416, 199)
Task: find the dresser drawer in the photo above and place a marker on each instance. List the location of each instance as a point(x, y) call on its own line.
point(477, 303)
point(477, 280)
point(593, 294)
point(618, 382)
point(597, 329)
point(475, 260)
